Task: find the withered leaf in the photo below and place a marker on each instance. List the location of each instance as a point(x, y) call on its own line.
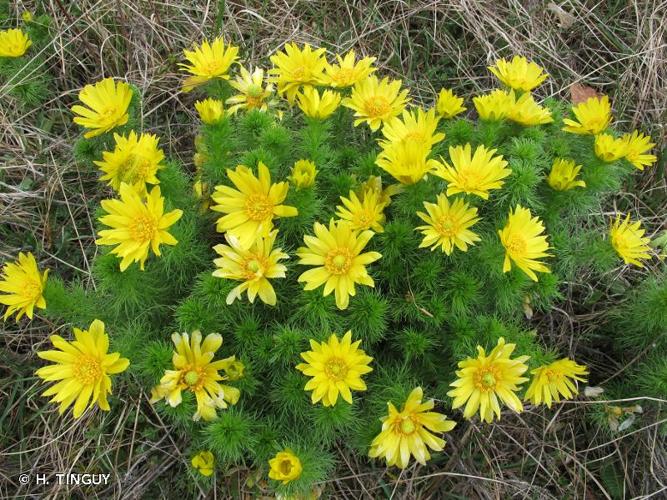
point(565, 19)
point(580, 93)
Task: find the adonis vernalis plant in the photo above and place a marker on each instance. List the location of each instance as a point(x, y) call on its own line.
point(410, 432)
point(335, 367)
point(14, 43)
point(105, 106)
point(323, 197)
point(81, 370)
point(22, 287)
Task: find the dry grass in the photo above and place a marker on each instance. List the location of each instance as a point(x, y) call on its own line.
point(618, 48)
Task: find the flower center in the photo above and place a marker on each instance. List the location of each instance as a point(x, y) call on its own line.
point(344, 76)
point(137, 169)
point(407, 426)
point(299, 74)
point(143, 229)
point(87, 369)
point(109, 114)
point(517, 245)
point(363, 219)
point(336, 369)
point(469, 179)
point(191, 377)
point(258, 207)
point(552, 376)
point(32, 290)
point(446, 227)
point(486, 379)
point(255, 267)
point(620, 241)
point(414, 136)
point(377, 106)
point(254, 102)
point(338, 261)
point(285, 467)
point(212, 68)
point(254, 90)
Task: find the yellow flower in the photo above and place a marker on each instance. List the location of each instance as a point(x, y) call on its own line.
point(495, 105)
point(204, 463)
point(366, 214)
point(375, 102)
point(253, 94)
point(636, 146)
point(449, 105)
point(447, 225)
point(81, 369)
point(201, 153)
point(563, 175)
point(374, 185)
point(13, 43)
point(407, 161)
point(336, 366)
point(27, 16)
point(303, 174)
point(195, 371)
point(523, 243)
point(254, 267)
point(410, 432)
point(107, 102)
point(208, 62)
point(199, 159)
point(315, 106)
point(135, 160)
point(200, 191)
point(234, 370)
point(136, 226)
point(527, 112)
point(519, 73)
point(285, 466)
point(251, 207)
point(554, 380)
point(628, 240)
point(348, 71)
point(484, 380)
point(210, 110)
point(339, 263)
point(415, 126)
point(608, 148)
point(22, 286)
point(295, 67)
point(476, 173)
point(593, 115)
